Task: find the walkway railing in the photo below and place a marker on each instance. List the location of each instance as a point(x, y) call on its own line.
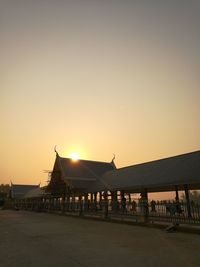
point(136, 211)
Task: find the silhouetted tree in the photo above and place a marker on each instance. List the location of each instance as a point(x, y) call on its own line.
point(5, 188)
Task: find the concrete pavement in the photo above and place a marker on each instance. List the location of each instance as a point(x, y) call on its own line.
point(29, 239)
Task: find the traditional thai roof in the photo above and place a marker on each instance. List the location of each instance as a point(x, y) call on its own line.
point(20, 190)
point(81, 174)
point(155, 176)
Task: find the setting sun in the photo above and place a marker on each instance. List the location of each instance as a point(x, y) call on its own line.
point(75, 156)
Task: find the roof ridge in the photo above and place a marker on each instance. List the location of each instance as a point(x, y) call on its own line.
point(86, 160)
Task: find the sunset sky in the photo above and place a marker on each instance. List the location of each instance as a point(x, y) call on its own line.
point(97, 77)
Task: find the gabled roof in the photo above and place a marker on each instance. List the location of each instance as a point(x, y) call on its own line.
point(156, 176)
point(19, 190)
point(81, 173)
point(84, 168)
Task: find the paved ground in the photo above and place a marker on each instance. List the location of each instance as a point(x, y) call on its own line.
point(30, 239)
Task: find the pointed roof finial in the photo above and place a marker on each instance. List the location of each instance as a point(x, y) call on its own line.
point(55, 150)
point(112, 162)
point(113, 157)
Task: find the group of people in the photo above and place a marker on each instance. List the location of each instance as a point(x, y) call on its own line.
point(142, 204)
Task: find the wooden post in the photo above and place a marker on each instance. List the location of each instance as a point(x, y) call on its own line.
point(114, 201)
point(63, 204)
point(91, 197)
point(80, 206)
point(100, 200)
point(177, 196)
point(86, 202)
point(49, 204)
point(144, 204)
point(95, 201)
point(122, 194)
point(129, 198)
point(106, 204)
point(100, 196)
point(73, 202)
point(68, 202)
point(187, 200)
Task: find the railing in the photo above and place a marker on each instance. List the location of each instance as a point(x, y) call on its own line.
point(136, 211)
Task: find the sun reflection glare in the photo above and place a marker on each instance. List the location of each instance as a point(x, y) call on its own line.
point(75, 156)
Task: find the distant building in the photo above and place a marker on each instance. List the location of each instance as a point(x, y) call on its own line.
point(19, 190)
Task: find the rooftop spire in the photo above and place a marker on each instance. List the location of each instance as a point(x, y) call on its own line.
point(56, 151)
point(113, 158)
point(112, 162)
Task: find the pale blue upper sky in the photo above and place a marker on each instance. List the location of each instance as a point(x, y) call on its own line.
point(97, 77)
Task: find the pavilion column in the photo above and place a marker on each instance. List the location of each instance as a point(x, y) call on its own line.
point(44, 203)
point(92, 197)
point(49, 204)
point(68, 202)
point(177, 195)
point(86, 202)
point(73, 201)
point(129, 198)
point(105, 204)
point(95, 201)
point(144, 204)
point(63, 204)
point(122, 194)
point(39, 204)
point(57, 203)
point(114, 201)
point(80, 205)
point(73, 197)
point(100, 196)
point(86, 197)
point(100, 199)
point(187, 200)
point(52, 203)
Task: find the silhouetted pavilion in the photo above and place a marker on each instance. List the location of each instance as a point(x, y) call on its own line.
point(80, 178)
